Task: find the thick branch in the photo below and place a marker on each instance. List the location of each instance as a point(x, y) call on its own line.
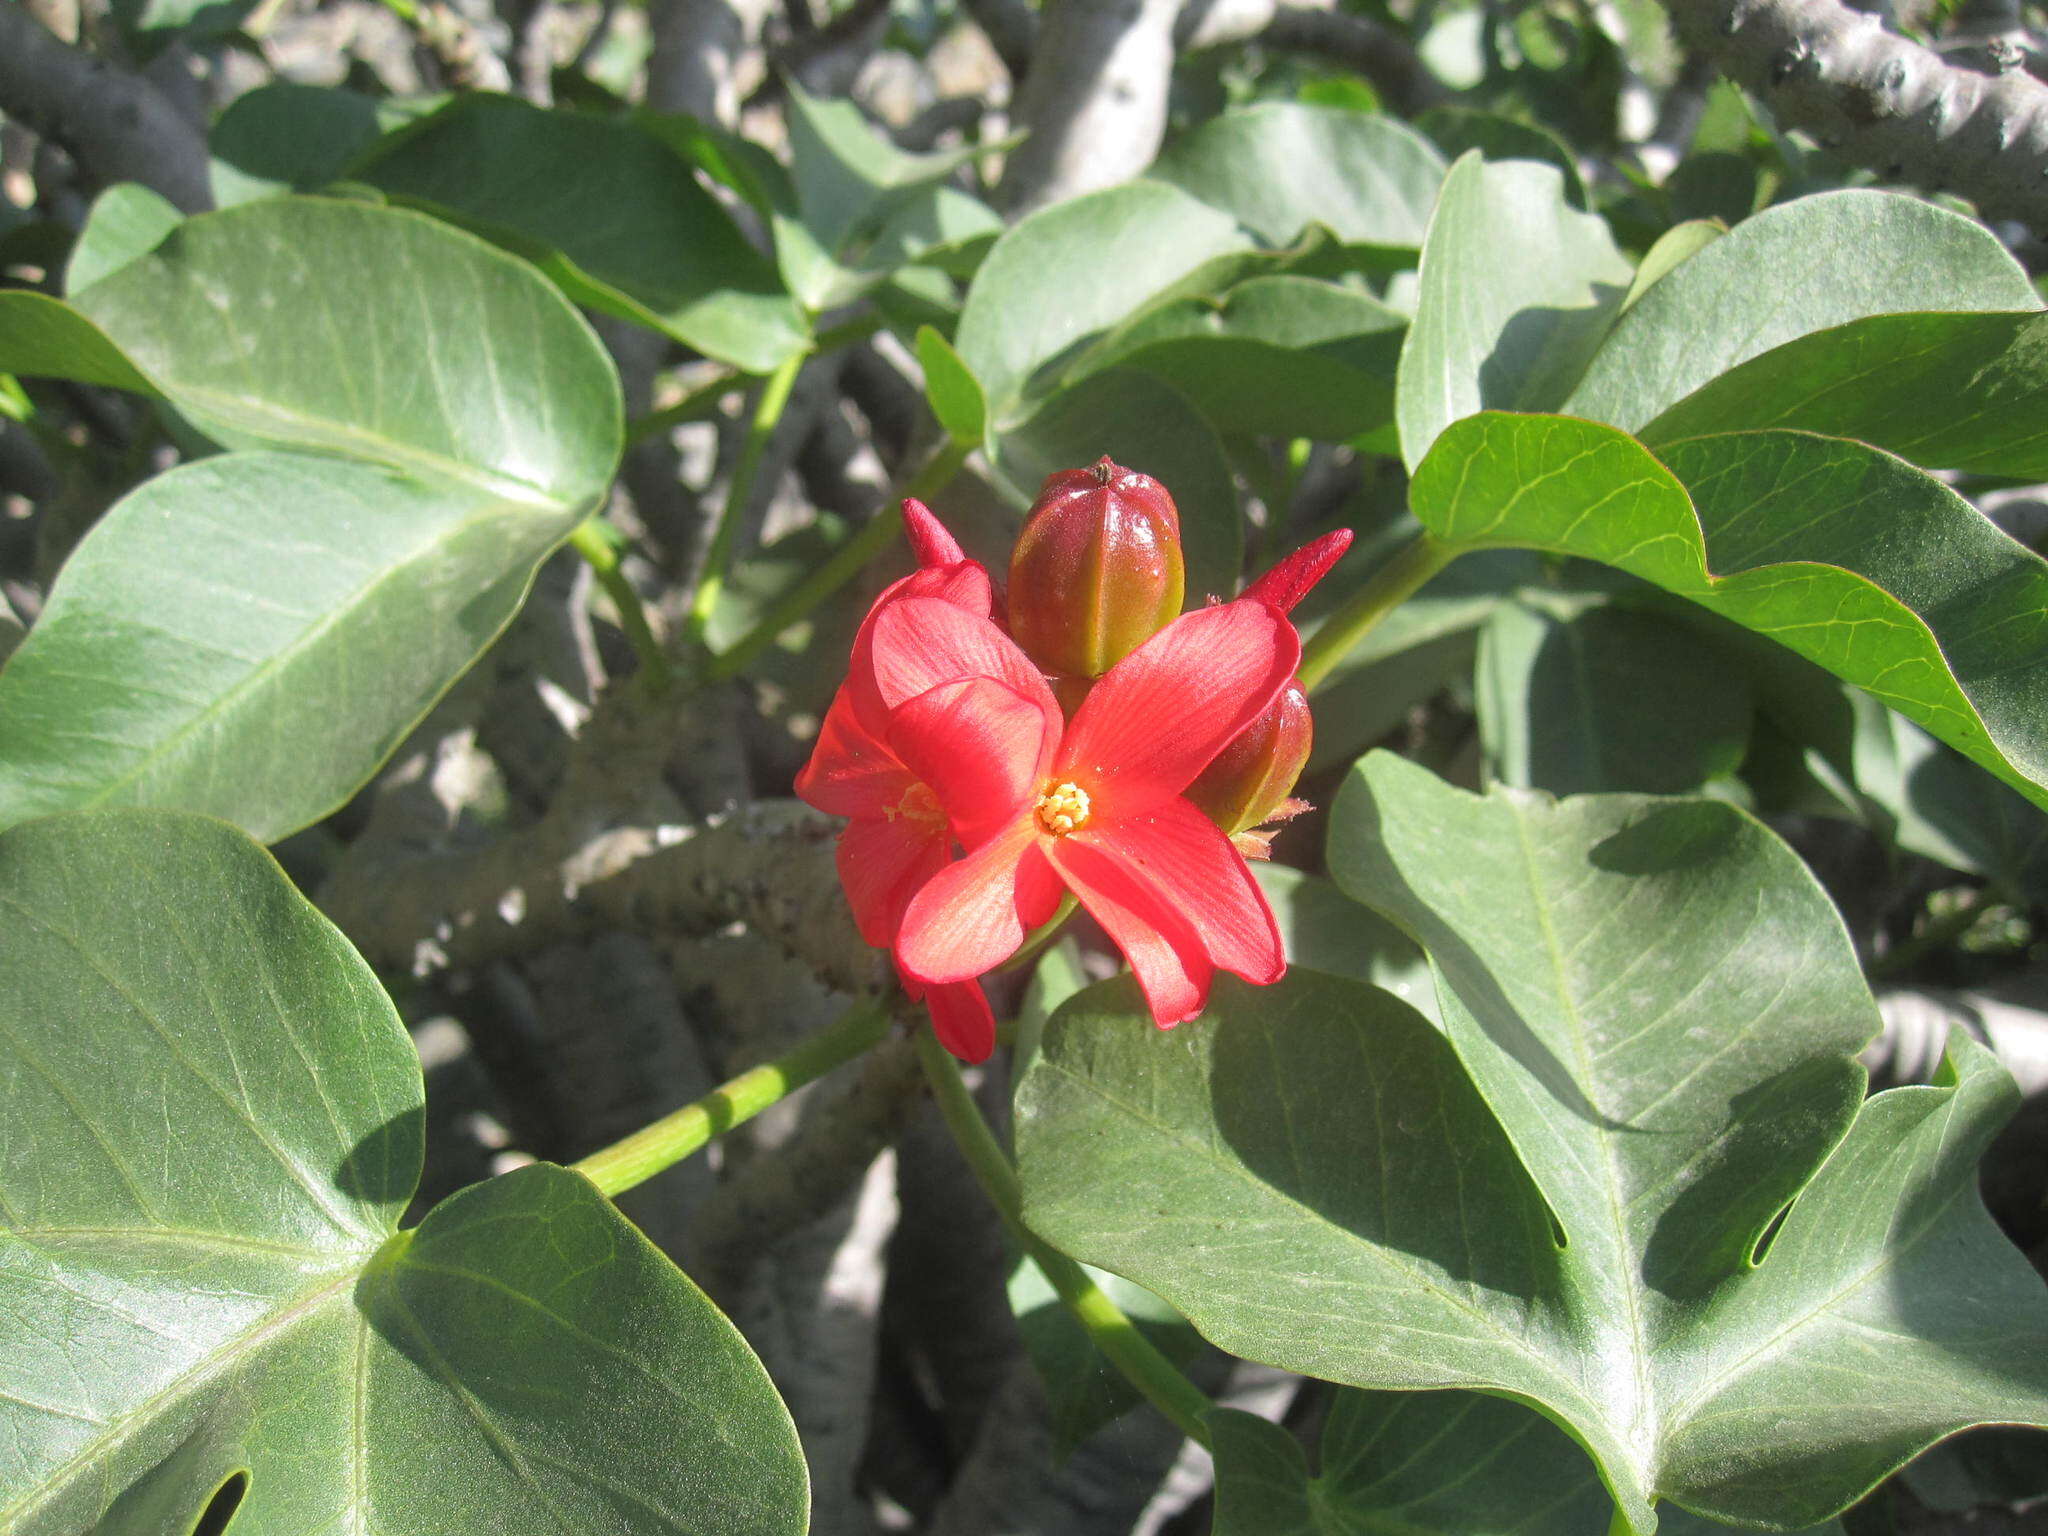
point(117, 126)
point(1883, 102)
point(1094, 101)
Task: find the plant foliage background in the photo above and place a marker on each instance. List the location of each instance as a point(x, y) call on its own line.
point(450, 447)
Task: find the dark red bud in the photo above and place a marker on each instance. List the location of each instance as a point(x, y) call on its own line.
point(1249, 780)
point(1097, 570)
point(1289, 581)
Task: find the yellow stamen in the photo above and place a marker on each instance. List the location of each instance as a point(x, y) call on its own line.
point(918, 804)
point(1063, 809)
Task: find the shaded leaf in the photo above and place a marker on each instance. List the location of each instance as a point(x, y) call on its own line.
point(200, 1268)
point(1454, 130)
point(604, 208)
point(1799, 267)
point(1604, 698)
point(1844, 554)
point(1516, 289)
point(1418, 1464)
point(1279, 356)
point(1950, 391)
point(287, 137)
point(1280, 167)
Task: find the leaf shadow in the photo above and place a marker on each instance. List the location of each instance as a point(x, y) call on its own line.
point(383, 1167)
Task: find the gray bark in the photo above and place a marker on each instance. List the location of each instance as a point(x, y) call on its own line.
point(1094, 100)
point(116, 126)
point(1883, 102)
point(700, 59)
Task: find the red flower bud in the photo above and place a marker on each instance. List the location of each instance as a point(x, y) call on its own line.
point(1247, 783)
point(1097, 570)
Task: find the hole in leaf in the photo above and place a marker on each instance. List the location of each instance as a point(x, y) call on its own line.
point(1770, 1232)
point(220, 1509)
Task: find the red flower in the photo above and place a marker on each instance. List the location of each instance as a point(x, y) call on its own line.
point(1097, 808)
point(897, 838)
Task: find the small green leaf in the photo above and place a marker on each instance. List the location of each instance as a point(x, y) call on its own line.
point(955, 395)
point(1280, 167)
point(1516, 289)
point(1579, 701)
point(1799, 267)
point(1677, 245)
point(1071, 271)
point(1844, 554)
point(1146, 425)
point(1949, 391)
point(126, 221)
point(605, 209)
point(213, 1122)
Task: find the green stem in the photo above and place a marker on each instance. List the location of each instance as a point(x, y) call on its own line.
point(15, 404)
point(1035, 942)
point(700, 404)
point(767, 412)
point(1389, 587)
point(876, 535)
point(592, 540)
point(1113, 1333)
point(620, 1166)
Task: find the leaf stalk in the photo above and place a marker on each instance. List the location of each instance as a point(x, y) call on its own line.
point(1162, 1383)
point(640, 1156)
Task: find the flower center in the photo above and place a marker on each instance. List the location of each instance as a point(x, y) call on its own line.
point(918, 804)
point(1063, 809)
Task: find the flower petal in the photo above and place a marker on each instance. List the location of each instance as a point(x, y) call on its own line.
point(929, 540)
point(850, 772)
point(964, 920)
point(962, 1020)
point(1289, 581)
point(882, 864)
point(1193, 870)
point(982, 747)
point(1158, 716)
point(1172, 968)
point(921, 642)
point(965, 586)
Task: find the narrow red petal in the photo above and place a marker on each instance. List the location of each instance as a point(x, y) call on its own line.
point(1289, 581)
point(1192, 870)
point(962, 1020)
point(964, 920)
point(929, 540)
point(982, 747)
point(850, 772)
point(882, 864)
point(921, 642)
point(1172, 968)
point(1158, 716)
